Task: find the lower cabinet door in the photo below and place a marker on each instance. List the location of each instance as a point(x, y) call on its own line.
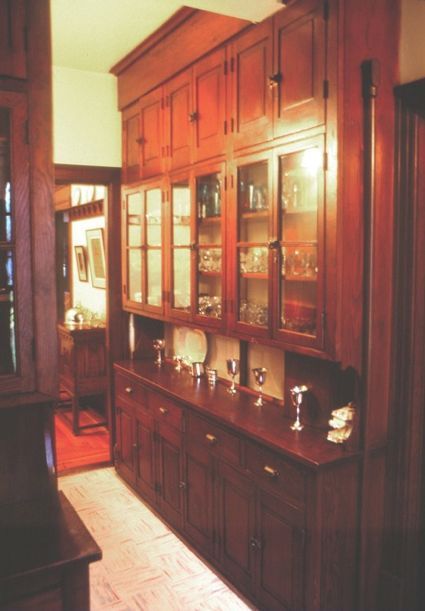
point(145, 465)
point(238, 545)
point(281, 549)
point(198, 499)
point(125, 443)
point(170, 482)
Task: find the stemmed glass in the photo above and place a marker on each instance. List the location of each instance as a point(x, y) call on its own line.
point(232, 370)
point(297, 396)
point(159, 345)
point(260, 374)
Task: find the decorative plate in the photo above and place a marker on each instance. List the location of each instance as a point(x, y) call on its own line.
point(191, 343)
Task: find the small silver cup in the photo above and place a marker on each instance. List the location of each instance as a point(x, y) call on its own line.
point(197, 369)
point(211, 376)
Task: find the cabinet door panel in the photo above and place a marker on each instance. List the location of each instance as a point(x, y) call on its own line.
point(125, 441)
point(130, 144)
point(170, 474)
point(198, 521)
point(236, 519)
point(151, 134)
point(179, 128)
point(281, 567)
point(208, 76)
point(300, 36)
point(12, 38)
point(252, 98)
point(145, 471)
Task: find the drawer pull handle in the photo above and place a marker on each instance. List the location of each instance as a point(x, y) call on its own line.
point(183, 485)
point(129, 390)
point(255, 544)
point(212, 439)
point(163, 410)
point(270, 472)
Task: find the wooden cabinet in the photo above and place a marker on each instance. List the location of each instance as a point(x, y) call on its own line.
point(130, 144)
point(82, 365)
point(299, 81)
point(12, 39)
point(179, 117)
point(151, 134)
point(251, 98)
point(270, 508)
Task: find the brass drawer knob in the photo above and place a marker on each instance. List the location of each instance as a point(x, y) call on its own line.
point(212, 439)
point(129, 390)
point(270, 472)
point(163, 410)
point(182, 485)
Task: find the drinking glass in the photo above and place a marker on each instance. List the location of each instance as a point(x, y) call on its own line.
point(232, 370)
point(159, 345)
point(297, 396)
point(260, 374)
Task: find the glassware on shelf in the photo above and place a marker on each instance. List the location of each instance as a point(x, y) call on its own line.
point(209, 305)
point(260, 374)
point(212, 376)
point(253, 313)
point(297, 396)
point(232, 370)
point(210, 260)
point(158, 345)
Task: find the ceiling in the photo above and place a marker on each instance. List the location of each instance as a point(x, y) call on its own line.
point(95, 34)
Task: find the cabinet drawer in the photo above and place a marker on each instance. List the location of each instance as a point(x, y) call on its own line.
point(216, 440)
point(274, 473)
point(166, 410)
point(129, 390)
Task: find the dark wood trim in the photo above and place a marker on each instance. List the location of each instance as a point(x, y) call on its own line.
point(41, 186)
point(68, 173)
point(85, 211)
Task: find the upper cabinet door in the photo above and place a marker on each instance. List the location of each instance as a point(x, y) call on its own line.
point(179, 115)
point(12, 38)
point(299, 79)
point(151, 134)
point(209, 100)
point(130, 144)
point(251, 97)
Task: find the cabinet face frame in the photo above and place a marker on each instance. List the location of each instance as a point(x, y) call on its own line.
point(178, 106)
point(286, 336)
point(130, 144)
point(244, 328)
point(131, 304)
point(13, 40)
point(23, 379)
point(151, 134)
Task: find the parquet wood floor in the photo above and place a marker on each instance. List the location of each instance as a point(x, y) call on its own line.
point(145, 567)
point(87, 450)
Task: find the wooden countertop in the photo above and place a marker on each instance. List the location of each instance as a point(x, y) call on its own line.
point(24, 400)
point(38, 536)
point(268, 425)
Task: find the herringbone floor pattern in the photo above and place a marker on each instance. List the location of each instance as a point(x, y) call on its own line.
point(144, 566)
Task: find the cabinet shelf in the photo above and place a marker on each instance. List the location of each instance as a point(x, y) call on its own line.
point(255, 214)
point(209, 220)
point(299, 210)
point(294, 278)
point(254, 275)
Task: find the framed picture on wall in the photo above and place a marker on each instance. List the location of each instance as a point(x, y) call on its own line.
point(81, 256)
point(96, 254)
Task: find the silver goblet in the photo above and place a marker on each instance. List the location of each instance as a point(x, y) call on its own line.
point(232, 370)
point(159, 345)
point(297, 396)
point(260, 374)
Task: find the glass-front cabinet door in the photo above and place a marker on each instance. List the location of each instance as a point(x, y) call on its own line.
point(142, 241)
point(299, 256)
point(16, 363)
point(251, 311)
point(209, 272)
point(197, 243)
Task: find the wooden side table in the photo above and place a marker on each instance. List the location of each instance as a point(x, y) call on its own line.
point(82, 365)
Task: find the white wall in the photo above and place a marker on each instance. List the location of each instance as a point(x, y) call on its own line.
point(412, 40)
point(86, 121)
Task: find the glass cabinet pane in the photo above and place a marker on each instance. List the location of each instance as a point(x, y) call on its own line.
point(153, 247)
point(134, 219)
point(209, 242)
point(154, 277)
point(135, 275)
point(252, 247)
point(8, 363)
point(181, 246)
point(153, 217)
point(299, 195)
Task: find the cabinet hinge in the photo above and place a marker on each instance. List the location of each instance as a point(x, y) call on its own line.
point(25, 38)
point(326, 10)
point(116, 453)
point(323, 317)
point(232, 64)
point(167, 100)
point(225, 67)
point(162, 104)
point(27, 132)
point(325, 89)
point(158, 488)
point(325, 161)
point(225, 183)
point(33, 349)
point(232, 125)
point(225, 126)
point(124, 289)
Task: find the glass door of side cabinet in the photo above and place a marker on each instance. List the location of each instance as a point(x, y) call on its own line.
point(143, 249)
point(181, 249)
point(209, 277)
point(254, 203)
point(299, 256)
